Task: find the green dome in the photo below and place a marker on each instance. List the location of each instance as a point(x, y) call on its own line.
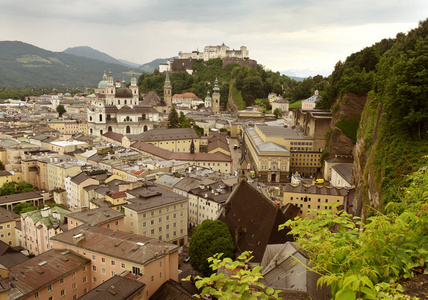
point(102, 84)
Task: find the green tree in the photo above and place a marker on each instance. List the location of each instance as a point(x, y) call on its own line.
point(21, 208)
point(277, 88)
point(24, 187)
point(1, 166)
point(7, 189)
point(277, 112)
point(61, 110)
point(173, 121)
point(209, 238)
point(243, 284)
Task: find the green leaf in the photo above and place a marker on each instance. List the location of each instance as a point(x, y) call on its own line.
point(345, 295)
point(269, 291)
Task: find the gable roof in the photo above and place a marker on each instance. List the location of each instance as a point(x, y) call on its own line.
point(10, 257)
point(116, 288)
point(171, 290)
point(44, 269)
point(253, 220)
point(97, 216)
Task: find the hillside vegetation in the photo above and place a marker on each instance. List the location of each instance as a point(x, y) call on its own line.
point(246, 83)
point(24, 65)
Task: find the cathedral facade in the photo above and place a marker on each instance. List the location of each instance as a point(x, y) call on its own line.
point(115, 107)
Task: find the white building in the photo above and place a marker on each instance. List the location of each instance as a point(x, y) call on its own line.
point(311, 102)
point(212, 52)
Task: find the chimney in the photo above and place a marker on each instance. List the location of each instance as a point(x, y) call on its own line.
point(46, 211)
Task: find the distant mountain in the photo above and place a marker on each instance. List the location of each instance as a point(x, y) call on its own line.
point(23, 64)
point(151, 66)
point(296, 78)
point(89, 52)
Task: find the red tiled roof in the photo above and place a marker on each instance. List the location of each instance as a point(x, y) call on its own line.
point(114, 136)
point(118, 195)
point(185, 95)
point(166, 154)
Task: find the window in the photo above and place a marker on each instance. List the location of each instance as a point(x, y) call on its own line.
point(174, 216)
point(84, 268)
point(36, 295)
point(93, 257)
point(122, 265)
point(62, 293)
point(84, 279)
point(74, 286)
point(152, 222)
point(136, 270)
point(160, 229)
point(50, 298)
point(113, 263)
point(94, 268)
point(152, 231)
point(103, 271)
point(160, 220)
point(1, 227)
point(61, 281)
point(49, 287)
point(8, 226)
point(144, 224)
point(73, 275)
point(116, 223)
point(103, 260)
point(94, 279)
point(153, 278)
point(74, 297)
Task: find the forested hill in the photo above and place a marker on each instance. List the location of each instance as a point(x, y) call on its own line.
point(244, 83)
point(390, 134)
point(23, 65)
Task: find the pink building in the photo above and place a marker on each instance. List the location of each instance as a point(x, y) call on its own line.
point(55, 274)
point(37, 227)
point(114, 252)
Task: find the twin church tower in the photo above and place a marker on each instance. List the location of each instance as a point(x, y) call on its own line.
point(213, 102)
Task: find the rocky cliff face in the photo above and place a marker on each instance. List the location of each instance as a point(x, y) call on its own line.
point(346, 108)
point(364, 177)
point(367, 181)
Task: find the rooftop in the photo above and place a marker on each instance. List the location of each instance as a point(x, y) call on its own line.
point(45, 269)
point(97, 216)
point(119, 244)
point(116, 288)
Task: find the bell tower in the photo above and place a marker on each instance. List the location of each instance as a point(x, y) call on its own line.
point(167, 90)
point(216, 98)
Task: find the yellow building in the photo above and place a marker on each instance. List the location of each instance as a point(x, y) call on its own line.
point(172, 139)
point(276, 151)
point(158, 213)
point(5, 177)
point(313, 197)
point(8, 221)
point(65, 126)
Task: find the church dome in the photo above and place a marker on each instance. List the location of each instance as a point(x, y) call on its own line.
point(102, 84)
point(123, 92)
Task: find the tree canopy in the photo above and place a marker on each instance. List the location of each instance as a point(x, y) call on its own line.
point(10, 188)
point(173, 121)
point(209, 238)
point(61, 110)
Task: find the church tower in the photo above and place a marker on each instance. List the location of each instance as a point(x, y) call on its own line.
point(134, 89)
point(216, 97)
point(208, 100)
point(167, 90)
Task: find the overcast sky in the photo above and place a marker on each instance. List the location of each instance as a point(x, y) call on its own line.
point(298, 37)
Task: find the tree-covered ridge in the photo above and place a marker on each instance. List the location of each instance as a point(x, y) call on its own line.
point(250, 83)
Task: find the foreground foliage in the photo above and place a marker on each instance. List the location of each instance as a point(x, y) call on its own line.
point(364, 260)
point(242, 284)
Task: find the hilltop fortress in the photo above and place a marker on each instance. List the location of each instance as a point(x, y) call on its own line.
point(186, 60)
point(211, 52)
